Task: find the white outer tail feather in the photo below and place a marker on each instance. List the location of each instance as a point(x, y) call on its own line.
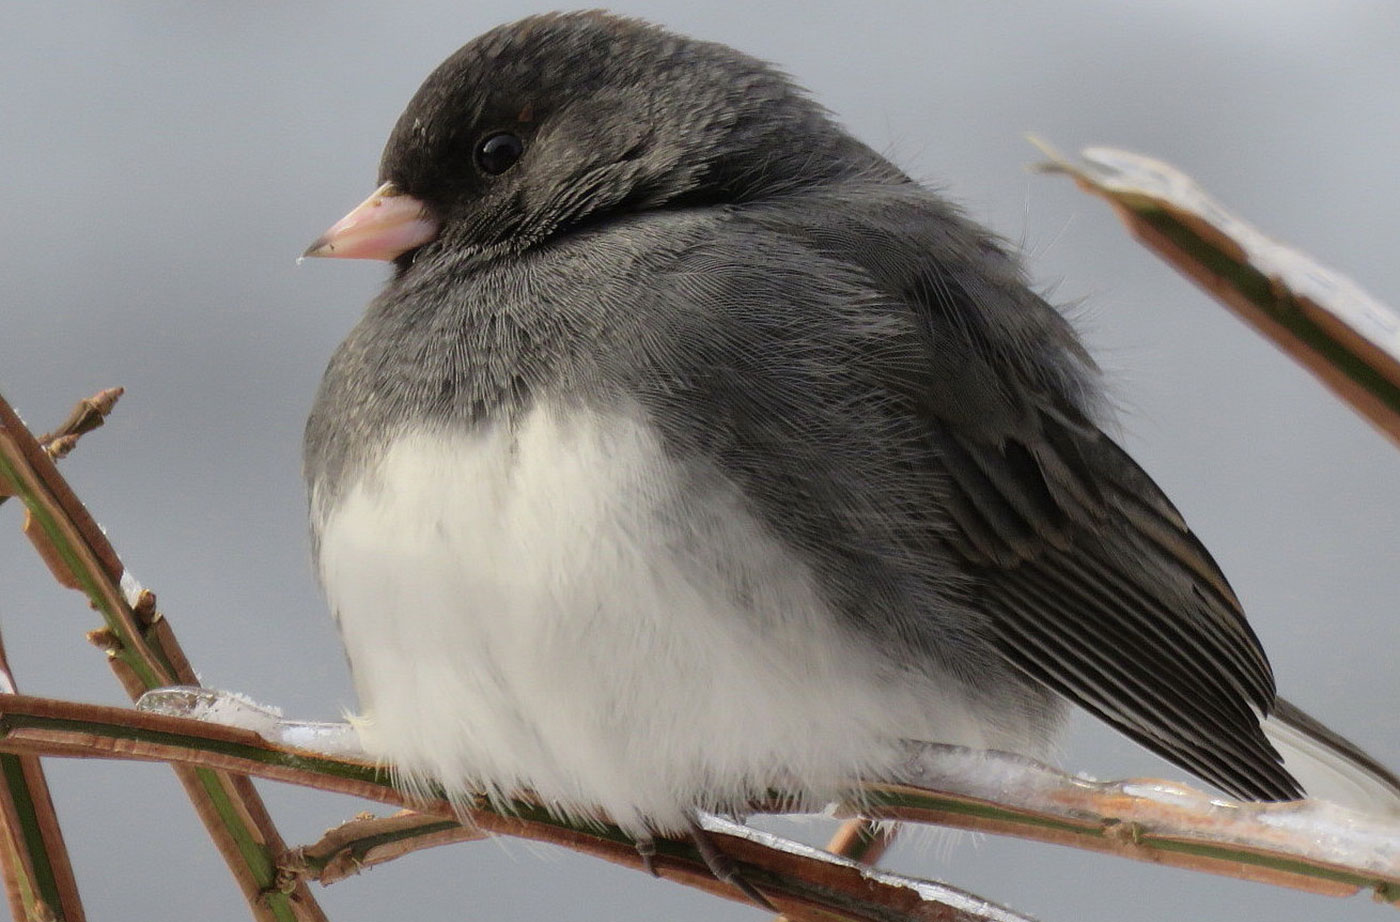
point(1330, 767)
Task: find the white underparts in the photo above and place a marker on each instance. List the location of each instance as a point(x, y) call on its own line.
point(557, 606)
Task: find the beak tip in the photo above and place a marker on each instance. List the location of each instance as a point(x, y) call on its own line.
point(383, 226)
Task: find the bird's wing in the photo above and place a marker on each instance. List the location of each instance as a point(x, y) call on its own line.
point(1099, 590)
point(1093, 582)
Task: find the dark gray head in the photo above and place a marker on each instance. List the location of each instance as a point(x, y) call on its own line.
point(555, 120)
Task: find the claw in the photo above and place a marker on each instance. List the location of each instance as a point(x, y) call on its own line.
point(722, 866)
point(647, 849)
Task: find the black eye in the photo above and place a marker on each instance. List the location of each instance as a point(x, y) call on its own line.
point(499, 152)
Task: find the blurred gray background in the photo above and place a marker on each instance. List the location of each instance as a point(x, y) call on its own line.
point(163, 166)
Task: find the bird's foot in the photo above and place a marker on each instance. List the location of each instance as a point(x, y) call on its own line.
point(723, 868)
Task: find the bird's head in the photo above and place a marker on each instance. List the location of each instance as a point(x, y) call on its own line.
point(538, 127)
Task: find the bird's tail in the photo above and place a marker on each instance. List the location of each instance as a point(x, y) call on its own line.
point(1331, 767)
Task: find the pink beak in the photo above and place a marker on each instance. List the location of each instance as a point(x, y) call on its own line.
point(383, 226)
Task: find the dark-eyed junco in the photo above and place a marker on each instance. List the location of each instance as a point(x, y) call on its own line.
point(694, 451)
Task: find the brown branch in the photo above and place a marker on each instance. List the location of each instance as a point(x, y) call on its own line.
point(85, 416)
point(1325, 321)
point(37, 869)
point(860, 839)
point(38, 872)
point(1305, 845)
point(368, 840)
point(802, 882)
point(143, 652)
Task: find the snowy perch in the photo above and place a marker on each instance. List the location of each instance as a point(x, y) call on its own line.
point(1309, 845)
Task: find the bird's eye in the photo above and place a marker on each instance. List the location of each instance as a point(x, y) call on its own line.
point(499, 152)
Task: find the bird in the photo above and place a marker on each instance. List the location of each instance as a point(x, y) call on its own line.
point(693, 451)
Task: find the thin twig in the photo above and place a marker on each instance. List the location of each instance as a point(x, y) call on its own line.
point(804, 883)
point(859, 839)
point(368, 840)
point(86, 415)
point(144, 654)
point(1306, 845)
point(1325, 321)
point(39, 880)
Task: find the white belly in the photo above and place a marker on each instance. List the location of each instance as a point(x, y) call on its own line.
point(562, 608)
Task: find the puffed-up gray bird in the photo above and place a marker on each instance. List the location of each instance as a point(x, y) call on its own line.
point(694, 451)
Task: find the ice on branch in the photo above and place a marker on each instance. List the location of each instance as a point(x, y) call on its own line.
point(232, 709)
